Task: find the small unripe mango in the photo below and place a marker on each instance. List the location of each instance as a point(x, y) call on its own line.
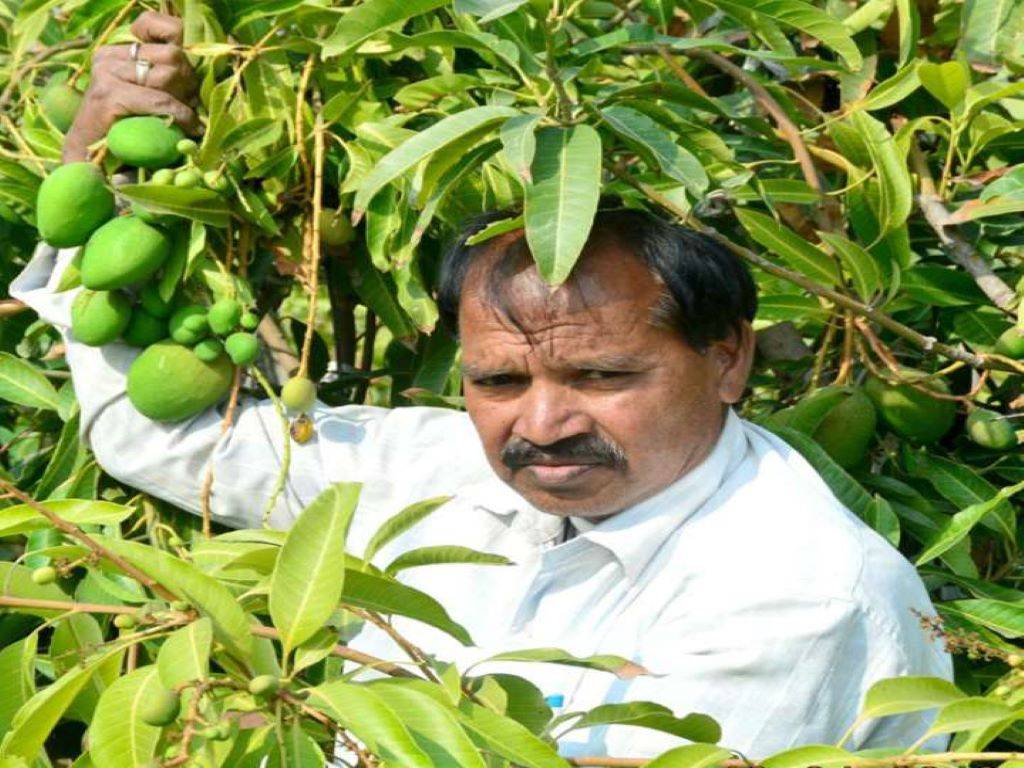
point(1011, 343)
point(298, 394)
point(161, 708)
point(72, 203)
point(264, 685)
point(145, 142)
point(187, 178)
point(208, 350)
point(153, 303)
point(60, 103)
point(249, 321)
point(144, 329)
point(167, 382)
point(45, 575)
point(910, 413)
point(99, 317)
point(125, 621)
point(163, 176)
point(123, 251)
point(242, 348)
point(188, 324)
point(224, 316)
point(216, 181)
point(847, 429)
point(991, 430)
point(335, 228)
point(186, 147)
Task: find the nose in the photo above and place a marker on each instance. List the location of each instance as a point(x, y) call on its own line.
point(549, 413)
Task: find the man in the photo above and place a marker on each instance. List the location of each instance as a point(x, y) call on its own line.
point(601, 455)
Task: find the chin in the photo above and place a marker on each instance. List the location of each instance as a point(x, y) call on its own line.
point(596, 505)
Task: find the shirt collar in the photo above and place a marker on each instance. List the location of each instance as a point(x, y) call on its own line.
point(635, 535)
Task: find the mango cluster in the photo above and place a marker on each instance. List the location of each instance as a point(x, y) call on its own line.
point(189, 351)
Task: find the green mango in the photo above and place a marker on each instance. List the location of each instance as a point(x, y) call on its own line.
point(144, 329)
point(242, 348)
point(123, 251)
point(912, 414)
point(189, 324)
point(208, 350)
point(60, 103)
point(1011, 343)
point(153, 303)
point(145, 142)
point(224, 316)
point(161, 708)
point(72, 203)
point(99, 317)
point(298, 394)
point(847, 429)
point(990, 429)
point(167, 382)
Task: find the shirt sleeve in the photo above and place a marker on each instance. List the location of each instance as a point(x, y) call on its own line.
point(780, 675)
point(170, 461)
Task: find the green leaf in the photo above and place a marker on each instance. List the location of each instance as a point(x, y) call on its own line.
point(369, 18)
point(804, 17)
point(617, 665)
point(507, 738)
point(36, 718)
point(866, 273)
point(962, 522)
point(821, 755)
point(788, 245)
point(16, 581)
point(185, 654)
point(1005, 618)
point(896, 191)
point(21, 383)
point(519, 142)
point(691, 756)
point(657, 143)
point(202, 205)
point(422, 145)
point(434, 725)
point(400, 523)
point(645, 714)
point(967, 714)
point(948, 82)
point(310, 572)
point(230, 623)
point(17, 677)
point(21, 518)
point(561, 202)
point(117, 733)
point(439, 555)
point(990, 30)
point(900, 695)
point(488, 10)
point(381, 594)
point(495, 229)
point(367, 715)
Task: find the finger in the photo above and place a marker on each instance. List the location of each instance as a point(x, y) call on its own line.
point(153, 27)
point(180, 83)
point(169, 54)
point(130, 99)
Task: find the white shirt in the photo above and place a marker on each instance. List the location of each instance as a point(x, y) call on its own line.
point(745, 588)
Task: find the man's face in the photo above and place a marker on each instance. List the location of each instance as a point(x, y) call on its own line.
point(584, 405)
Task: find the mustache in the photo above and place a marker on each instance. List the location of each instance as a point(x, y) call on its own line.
point(578, 449)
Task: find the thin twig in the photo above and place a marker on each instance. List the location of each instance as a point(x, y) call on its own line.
point(313, 256)
point(225, 425)
point(12, 307)
point(344, 652)
point(79, 535)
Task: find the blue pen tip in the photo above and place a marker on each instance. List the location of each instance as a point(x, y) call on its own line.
point(557, 700)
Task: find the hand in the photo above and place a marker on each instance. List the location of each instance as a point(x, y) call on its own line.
point(113, 91)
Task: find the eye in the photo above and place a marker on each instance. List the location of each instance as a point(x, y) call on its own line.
point(598, 375)
point(498, 380)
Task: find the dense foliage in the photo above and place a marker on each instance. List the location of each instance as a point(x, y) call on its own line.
point(865, 158)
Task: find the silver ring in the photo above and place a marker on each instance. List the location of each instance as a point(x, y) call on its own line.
point(142, 67)
point(133, 51)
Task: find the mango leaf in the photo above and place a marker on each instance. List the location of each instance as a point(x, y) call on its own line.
point(654, 141)
point(117, 733)
point(230, 623)
point(16, 581)
point(787, 244)
point(967, 714)
point(804, 17)
point(369, 18)
point(423, 144)
point(35, 719)
point(434, 725)
point(400, 523)
point(948, 82)
point(185, 654)
point(691, 756)
point(22, 519)
point(507, 738)
point(560, 204)
point(962, 522)
point(488, 10)
point(22, 383)
point(860, 264)
point(821, 755)
point(617, 665)
point(645, 714)
point(990, 30)
point(381, 594)
point(896, 191)
point(901, 695)
point(202, 205)
point(439, 555)
point(17, 677)
point(310, 570)
point(519, 143)
point(367, 715)
point(1005, 618)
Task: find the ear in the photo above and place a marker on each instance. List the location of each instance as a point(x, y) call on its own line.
point(733, 357)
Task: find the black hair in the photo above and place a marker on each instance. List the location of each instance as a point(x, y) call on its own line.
point(709, 292)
